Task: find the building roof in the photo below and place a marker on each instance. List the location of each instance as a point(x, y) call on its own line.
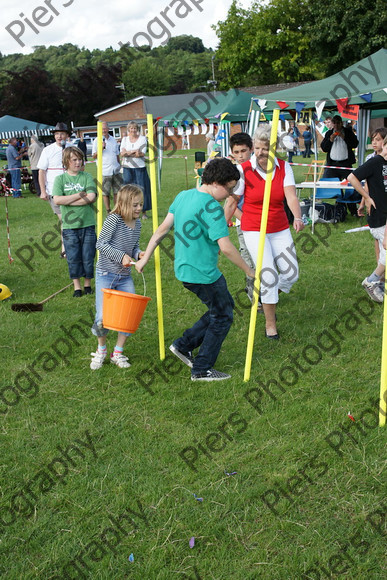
point(265, 89)
point(166, 104)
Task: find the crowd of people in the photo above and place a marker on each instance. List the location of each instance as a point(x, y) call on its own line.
point(200, 225)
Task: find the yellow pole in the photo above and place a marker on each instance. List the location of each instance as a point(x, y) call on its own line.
point(261, 245)
point(99, 177)
point(383, 372)
point(153, 180)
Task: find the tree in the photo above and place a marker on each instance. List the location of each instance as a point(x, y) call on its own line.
point(31, 95)
point(296, 40)
point(185, 42)
point(91, 90)
point(145, 77)
point(347, 32)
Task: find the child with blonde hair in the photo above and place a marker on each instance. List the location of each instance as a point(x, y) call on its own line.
point(118, 246)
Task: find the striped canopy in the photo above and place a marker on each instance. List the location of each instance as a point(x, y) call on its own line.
point(15, 127)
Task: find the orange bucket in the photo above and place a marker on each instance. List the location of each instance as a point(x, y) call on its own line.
point(122, 311)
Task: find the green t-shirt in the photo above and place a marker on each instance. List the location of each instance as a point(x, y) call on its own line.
point(199, 222)
point(75, 216)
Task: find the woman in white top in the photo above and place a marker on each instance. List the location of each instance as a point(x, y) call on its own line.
point(133, 149)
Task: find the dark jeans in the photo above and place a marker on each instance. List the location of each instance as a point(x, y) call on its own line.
point(211, 329)
point(307, 152)
point(80, 251)
point(35, 175)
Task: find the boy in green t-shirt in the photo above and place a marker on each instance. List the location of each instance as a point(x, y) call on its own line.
point(75, 191)
point(200, 232)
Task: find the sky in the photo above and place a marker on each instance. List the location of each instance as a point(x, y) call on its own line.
point(106, 23)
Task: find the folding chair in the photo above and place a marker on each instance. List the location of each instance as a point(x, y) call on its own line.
point(309, 176)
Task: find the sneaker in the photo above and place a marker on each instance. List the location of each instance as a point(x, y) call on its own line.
point(210, 375)
point(120, 360)
point(97, 360)
point(77, 293)
point(186, 358)
point(373, 290)
point(87, 290)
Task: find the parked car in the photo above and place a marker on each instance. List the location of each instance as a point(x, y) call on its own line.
point(88, 141)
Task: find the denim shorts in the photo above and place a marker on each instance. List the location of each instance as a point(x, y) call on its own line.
point(80, 251)
point(115, 282)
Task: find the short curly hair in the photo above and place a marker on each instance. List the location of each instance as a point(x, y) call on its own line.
point(220, 170)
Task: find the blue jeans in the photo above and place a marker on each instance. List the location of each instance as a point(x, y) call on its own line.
point(80, 251)
point(105, 279)
point(211, 329)
point(16, 182)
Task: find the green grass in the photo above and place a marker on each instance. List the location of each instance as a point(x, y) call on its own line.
point(283, 450)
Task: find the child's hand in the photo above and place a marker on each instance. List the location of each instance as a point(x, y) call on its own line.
point(140, 264)
point(127, 261)
point(141, 255)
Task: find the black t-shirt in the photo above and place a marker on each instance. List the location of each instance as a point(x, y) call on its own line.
point(375, 172)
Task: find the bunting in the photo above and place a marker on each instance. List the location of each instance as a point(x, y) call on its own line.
point(319, 105)
point(367, 97)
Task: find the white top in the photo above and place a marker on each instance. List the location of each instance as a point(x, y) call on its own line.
point(134, 162)
point(110, 164)
point(240, 186)
point(51, 161)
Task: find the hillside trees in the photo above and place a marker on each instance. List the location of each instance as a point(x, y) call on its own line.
point(71, 83)
point(296, 40)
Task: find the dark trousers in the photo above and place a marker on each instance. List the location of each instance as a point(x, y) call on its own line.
point(211, 329)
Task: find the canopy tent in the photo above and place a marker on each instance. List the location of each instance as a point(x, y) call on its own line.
point(357, 90)
point(226, 107)
point(16, 127)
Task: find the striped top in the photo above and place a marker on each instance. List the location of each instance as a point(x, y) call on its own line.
point(115, 240)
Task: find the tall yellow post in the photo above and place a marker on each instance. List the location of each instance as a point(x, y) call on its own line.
point(383, 372)
point(261, 245)
point(99, 177)
point(155, 224)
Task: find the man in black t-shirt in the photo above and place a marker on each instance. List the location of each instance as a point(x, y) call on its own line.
point(375, 172)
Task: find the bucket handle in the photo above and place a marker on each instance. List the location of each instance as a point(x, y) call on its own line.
point(123, 269)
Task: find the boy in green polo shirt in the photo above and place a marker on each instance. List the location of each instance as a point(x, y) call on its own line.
point(200, 232)
point(75, 191)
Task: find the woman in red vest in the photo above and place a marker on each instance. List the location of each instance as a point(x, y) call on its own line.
point(279, 267)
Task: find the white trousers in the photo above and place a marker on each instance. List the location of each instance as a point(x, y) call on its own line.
point(279, 265)
point(378, 234)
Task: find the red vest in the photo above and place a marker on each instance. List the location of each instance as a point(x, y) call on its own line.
point(253, 200)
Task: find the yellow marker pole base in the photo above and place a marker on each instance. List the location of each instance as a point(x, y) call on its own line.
point(99, 179)
point(383, 372)
point(155, 224)
point(261, 244)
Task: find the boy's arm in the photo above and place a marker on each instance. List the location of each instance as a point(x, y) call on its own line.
point(229, 250)
point(157, 237)
point(356, 184)
point(229, 208)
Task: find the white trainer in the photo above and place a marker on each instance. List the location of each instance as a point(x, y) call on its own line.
point(120, 360)
point(97, 360)
point(373, 290)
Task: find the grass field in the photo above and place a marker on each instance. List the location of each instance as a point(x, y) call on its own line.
point(99, 465)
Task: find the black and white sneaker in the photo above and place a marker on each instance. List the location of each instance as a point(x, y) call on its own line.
point(210, 375)
point(186, 358)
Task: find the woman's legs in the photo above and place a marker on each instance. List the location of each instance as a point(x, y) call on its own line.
point(279, 255)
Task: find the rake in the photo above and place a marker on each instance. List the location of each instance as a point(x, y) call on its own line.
point(36, 306)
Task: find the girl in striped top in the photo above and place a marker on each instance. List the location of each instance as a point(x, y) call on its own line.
point(118, 246)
